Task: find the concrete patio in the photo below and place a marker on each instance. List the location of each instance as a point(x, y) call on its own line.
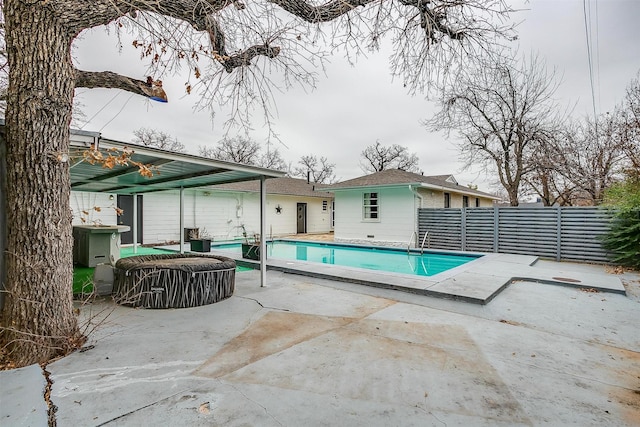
point(311, 351)
point(478, 281)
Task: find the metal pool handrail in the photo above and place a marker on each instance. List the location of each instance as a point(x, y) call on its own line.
point(424, 239)
point(411, 239)
point(426, 234)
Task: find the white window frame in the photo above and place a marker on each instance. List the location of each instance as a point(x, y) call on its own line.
point(366, 207)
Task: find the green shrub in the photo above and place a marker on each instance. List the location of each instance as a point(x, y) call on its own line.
point(623, 238)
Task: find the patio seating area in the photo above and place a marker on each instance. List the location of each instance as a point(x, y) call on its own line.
point(173, 280)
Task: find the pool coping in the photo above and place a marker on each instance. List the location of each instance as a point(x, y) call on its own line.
point(478, 281)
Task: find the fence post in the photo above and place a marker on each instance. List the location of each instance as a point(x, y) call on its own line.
point(496, 217)
point(463, 229)
point(558, 233)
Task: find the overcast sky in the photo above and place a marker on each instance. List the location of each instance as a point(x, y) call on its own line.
point(352, 107)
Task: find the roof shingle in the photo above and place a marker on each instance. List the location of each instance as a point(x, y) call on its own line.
point(284, 186)
point(399, 177)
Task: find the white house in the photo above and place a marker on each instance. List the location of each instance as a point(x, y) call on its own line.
point(381, 208)
point(224, 211)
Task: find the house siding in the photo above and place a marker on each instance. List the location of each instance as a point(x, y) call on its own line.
point(398, 214)
point(83, 206)
point(221, 213)
point(435, 199)
point(396, 223)
point(285, 223)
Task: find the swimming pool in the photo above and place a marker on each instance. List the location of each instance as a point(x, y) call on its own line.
point(371, 258)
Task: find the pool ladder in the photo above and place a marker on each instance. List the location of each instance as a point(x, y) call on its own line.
point(424, 239)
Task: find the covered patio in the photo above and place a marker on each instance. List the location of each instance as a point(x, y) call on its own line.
point(171, 171)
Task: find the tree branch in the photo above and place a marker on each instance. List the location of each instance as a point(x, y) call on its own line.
point(244, 58)
point(433, 20)
point(108, 79)
point(316, 14)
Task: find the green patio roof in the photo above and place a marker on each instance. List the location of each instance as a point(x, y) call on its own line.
point(170, 170)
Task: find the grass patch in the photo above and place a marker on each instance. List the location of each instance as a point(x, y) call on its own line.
point(83, 276)
point(82, 280)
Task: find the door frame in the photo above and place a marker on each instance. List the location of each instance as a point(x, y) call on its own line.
point(125, 202)
point(302, 205)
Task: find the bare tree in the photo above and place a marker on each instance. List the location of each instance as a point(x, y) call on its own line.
point(158, 139)
point(502, 113)
point(582, 161)
point(630, 124)
point(224, 47)
point(246, 151)
point(239, 149)
point(547, 179)
point(315, 169)
point(272, 159)
point(378, 157)
point(591, 157)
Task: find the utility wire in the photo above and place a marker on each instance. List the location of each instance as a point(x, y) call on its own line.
point(597, 45)
point(590, 61)
point(118, 113)
point(103, 107)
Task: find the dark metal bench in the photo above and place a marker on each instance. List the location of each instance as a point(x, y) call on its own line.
point(173, 280)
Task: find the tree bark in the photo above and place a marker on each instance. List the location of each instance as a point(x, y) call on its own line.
point(38, 321)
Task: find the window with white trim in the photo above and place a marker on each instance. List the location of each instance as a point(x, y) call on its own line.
point(324, 205)
point(370, 206)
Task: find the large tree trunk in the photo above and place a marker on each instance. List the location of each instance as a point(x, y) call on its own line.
point(38, 321)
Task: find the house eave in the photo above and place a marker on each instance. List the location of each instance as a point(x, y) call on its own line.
point(424, 185)
point(455, 190)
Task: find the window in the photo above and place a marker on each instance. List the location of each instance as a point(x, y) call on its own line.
point(465, 201)
point(477, 202)
point(370, 206)
point(447, 200)
point(324, 205)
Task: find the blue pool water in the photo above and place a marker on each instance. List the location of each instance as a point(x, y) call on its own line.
point(381, 259)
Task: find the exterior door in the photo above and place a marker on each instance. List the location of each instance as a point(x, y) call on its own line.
point(125, 202)
point(301, 219)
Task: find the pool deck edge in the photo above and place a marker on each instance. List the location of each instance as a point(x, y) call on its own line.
point(477, 282)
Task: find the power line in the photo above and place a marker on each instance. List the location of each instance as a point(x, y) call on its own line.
point(597, 45)
point(590, 59)
point(118, 113)
point(103, 107)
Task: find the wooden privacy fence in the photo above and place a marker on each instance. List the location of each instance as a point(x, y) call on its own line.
point(561, 233)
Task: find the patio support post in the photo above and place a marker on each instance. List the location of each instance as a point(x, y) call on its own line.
point(135, 223)
point(263, 227)
point(181, 232)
